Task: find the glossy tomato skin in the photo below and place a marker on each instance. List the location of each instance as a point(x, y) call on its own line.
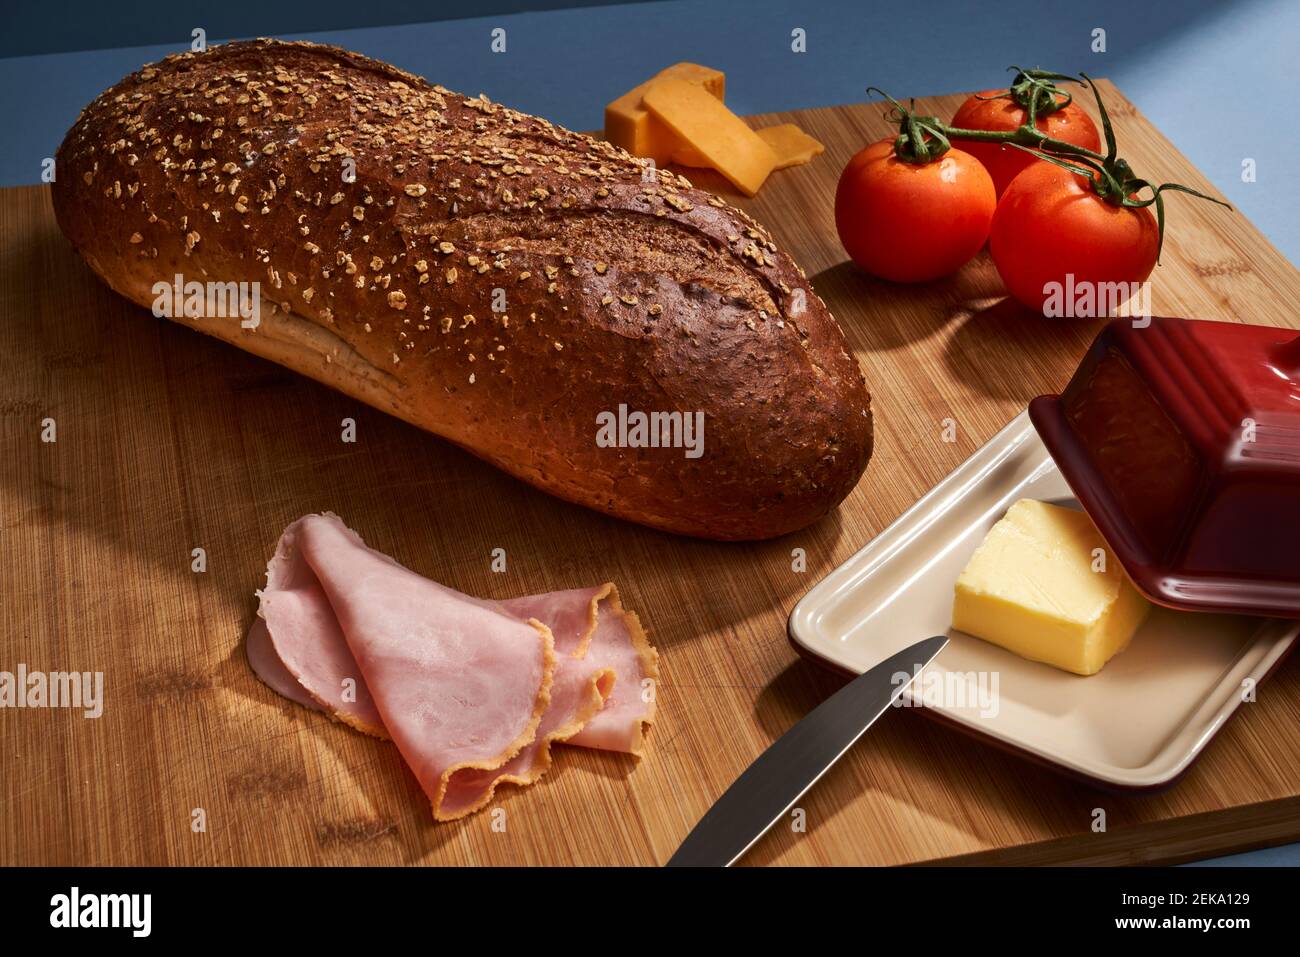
point(910, 223)
point(1004, 163)
point(1050, 224)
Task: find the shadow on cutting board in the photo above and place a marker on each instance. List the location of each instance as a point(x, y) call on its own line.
point(1005, 350)
point(911, 311)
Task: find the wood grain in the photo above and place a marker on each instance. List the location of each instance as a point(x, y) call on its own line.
point(169, 441)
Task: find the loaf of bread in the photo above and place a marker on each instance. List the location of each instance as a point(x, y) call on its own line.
point(520, 290)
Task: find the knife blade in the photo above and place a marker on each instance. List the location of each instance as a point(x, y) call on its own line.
point(795, 761)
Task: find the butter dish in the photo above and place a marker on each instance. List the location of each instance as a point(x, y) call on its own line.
point(1138, 723)
point(1181, 438)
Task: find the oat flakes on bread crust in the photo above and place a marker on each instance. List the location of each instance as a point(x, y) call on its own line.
point(229, 165)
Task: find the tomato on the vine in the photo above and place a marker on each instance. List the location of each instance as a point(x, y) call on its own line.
point(1052, 227)
point(996, 111)
point(912, 222)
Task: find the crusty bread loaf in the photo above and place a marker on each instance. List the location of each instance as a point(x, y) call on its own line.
point(485, 275)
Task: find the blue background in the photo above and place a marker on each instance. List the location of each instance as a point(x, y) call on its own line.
point(1219, 79)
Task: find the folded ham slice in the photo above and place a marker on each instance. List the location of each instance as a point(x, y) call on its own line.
point(472, 692)
point(268, 666)
point(305, 634)
point(590, 625)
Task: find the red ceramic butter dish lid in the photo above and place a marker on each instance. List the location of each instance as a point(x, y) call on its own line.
point(1181, 439)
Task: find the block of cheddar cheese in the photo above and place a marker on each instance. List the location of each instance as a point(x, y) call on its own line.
point(721, 138)
point(1044, 586)
point(628, 124)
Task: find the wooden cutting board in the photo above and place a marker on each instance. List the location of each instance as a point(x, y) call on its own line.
point(168, 441)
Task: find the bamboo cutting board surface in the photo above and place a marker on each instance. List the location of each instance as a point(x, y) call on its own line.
point(169, 441)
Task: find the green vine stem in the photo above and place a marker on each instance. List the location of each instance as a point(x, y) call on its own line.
point(924, 139)
point(1036, 92)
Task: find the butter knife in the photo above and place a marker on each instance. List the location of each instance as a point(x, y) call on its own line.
point(794, 762)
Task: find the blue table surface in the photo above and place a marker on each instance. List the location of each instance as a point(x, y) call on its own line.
point(1219, 79)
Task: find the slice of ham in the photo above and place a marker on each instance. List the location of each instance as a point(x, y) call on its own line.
point(267, 665)
point(305, 634)
point(472, 692)
point(590, 625)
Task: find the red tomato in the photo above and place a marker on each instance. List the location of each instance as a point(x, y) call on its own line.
point(1003, 162)
point(911, 223)
point(1050, 227)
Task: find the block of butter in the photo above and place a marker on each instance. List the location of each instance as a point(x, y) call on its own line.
point(1044, 585)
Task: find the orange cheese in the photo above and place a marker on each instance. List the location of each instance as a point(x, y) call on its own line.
point(684, 154)
point(629, 125)
point(719, 136)
point(792, 145)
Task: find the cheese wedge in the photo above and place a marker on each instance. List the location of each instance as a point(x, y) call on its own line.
point(722, 138)
point(793, 147)
point(1044, 585)
point(628, 124)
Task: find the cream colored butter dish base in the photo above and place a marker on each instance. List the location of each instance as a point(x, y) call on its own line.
point(1136, 724)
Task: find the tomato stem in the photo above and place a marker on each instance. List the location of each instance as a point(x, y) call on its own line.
point(1024, 136)
point(1118, 185)
point(923, 139)
point(1036, 93)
